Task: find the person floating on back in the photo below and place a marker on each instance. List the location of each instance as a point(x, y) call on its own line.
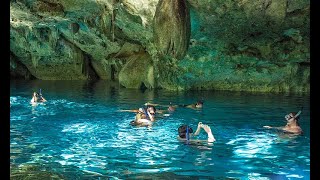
point(185, 133)
point(37, 97)
point(171, 108)
point(197, 105)
point(292, 125)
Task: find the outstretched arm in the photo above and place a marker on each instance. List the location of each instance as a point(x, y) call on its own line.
point(150, 104)
point(129, 110)
point(269, 127)
point(161, 111)
point(192, 106)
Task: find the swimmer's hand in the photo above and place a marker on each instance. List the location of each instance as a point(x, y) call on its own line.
point(269, 127)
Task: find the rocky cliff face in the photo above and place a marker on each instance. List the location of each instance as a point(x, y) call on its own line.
point(250, 45)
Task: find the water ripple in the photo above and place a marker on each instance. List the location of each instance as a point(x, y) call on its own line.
point(83, 129)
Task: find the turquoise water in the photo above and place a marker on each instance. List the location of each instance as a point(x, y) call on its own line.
point(80, 133)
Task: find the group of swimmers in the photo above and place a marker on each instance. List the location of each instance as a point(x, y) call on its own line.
point(145, 116)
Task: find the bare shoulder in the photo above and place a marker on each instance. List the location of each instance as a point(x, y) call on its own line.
point(294, 130)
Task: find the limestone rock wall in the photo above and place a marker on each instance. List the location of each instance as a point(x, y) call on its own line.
point(243, 45)
point(247, 45)
point(172, 28)
point(78, 39)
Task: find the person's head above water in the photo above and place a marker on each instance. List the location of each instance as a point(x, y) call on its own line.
point(171, 107)
point(182, 130)
point(291, 117)
point(199, 104)
point(37, 97)
point(141, 111)
point(152, 110)
point(36, 94)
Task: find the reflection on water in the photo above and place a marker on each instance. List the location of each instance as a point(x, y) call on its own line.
point(80, 132)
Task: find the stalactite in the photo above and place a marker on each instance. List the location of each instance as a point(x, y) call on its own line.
point(113, 18)
point(104, 22)
point(54, 37)
point(74, 29)
point(34, 60)
point(112, 25)
point(172, 28)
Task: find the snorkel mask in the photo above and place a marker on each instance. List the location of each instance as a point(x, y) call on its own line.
point(187, 133)
point(288, 116)
point(141, 111)
point(39, 95)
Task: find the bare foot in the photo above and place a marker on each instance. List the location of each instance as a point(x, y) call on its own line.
point(208, 131)
point(206, 128)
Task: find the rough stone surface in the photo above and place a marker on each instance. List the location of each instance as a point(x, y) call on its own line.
point(243, 45)
point(172, 28)
point(138, 72)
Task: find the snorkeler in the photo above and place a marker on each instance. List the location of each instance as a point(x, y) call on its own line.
point(151, 112)
point(197, 105)
point(141, 119)
point(185, 133)
point(170, 108)
point(144, 116)
point(292, 125)
point(37, 97)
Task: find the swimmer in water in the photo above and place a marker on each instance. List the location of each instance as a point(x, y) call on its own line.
point(197, 105)
point(170, 108)
point(144, 116)
point(185, 133)
point(37, 98)
point(292, 125)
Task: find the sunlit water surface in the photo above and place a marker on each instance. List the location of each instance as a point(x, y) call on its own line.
point(80, 131)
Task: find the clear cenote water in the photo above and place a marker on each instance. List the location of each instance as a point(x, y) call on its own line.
point(80, 133)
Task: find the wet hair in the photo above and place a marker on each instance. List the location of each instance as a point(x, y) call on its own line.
point(182, 130)
point(150, 106)
point(37, 94)
point(200, 102)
